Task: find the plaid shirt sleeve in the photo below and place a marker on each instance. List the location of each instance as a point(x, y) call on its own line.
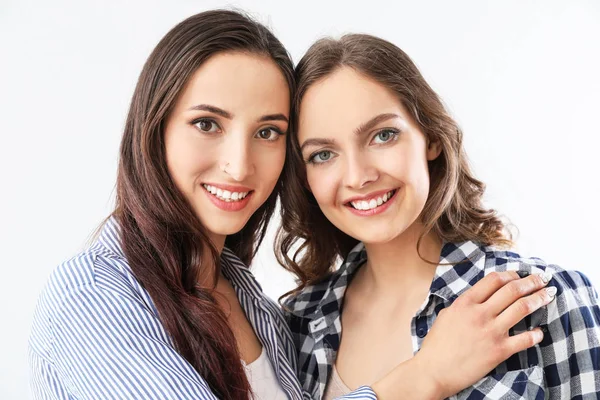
point(570, 349)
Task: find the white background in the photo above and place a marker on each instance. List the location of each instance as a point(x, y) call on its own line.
point(521, 77)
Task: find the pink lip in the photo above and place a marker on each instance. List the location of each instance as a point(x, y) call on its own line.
point(229, 205)
point(373, 211)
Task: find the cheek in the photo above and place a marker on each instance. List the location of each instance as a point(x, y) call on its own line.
point(411, 170)
point(186, 160)
point(323, 183)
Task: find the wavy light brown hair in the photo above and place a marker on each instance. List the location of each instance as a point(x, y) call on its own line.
point(308, 244)
point(162, 238)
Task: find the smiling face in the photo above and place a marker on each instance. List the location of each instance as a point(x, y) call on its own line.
point(366, 157)
point(225, 139)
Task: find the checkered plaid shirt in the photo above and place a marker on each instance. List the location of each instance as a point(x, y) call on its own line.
point(565, 365)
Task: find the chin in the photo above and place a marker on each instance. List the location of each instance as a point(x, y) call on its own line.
point(225, 229)
point(375, 237)
point(377, 233)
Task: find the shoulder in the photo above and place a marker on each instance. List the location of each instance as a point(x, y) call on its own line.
point(566, 280)
point(306, 301)
point(92, 269)
point(330, 289)
point(93, 284)
point(575, 295)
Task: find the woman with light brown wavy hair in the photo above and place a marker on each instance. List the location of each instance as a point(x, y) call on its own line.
point(376, 178)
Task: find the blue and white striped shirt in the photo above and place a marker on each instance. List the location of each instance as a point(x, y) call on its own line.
point(96, 333)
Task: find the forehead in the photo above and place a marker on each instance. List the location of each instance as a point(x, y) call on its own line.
point(342, 101)
point(238, 81)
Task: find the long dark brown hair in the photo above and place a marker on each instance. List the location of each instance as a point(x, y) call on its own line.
point(308, 244)
point(162, 238)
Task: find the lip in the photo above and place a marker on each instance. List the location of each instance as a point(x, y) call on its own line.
point(370, 196)
point(229, 205)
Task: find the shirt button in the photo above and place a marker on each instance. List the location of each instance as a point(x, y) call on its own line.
point(421, 332)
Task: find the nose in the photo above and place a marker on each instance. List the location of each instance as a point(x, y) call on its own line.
point(237, 160)
point(360, 171)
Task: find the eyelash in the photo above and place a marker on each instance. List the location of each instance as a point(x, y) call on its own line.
point(394, 136)
point(313, 156)
point(197, 121)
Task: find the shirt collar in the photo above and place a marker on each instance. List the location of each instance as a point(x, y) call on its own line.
point(239, 274)
point(233, 268)
point(326, 315)
point(109, 237)
point(460, 266)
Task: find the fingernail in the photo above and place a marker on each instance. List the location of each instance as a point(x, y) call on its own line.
point(540, 335)
point(551, 291)
point(546, 276)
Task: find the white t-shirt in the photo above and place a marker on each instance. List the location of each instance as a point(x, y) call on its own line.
point(264, 383)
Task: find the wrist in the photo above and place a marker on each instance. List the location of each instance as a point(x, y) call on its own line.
point(432, 388)
point(411, 379)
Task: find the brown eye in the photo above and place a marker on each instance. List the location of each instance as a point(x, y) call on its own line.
point(268, 134)
point(206, 125)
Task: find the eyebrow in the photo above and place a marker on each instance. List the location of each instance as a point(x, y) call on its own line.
point(367, 126)
point(228, 115)
point(373, 122)
point(212, 109)
point(273, 117)
point(317, 142)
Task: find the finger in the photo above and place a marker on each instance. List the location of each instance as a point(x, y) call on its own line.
point(523, 341)
point(482, 290)
point(514, 290)
point(524, 306)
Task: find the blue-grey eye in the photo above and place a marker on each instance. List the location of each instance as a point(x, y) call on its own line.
point(384, 136)
point(323, 155)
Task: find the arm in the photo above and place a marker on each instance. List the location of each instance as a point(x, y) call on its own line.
point(571, 348)
point(111, 346)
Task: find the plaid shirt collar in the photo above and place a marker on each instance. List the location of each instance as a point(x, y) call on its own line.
point(459, 268)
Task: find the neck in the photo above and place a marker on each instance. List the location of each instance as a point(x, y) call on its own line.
point(395, 267)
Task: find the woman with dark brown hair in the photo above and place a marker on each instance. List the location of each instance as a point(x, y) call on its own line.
point(162, 305)
point(376, 176)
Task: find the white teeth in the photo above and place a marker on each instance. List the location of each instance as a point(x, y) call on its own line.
point(225, 195)
point(373, 203)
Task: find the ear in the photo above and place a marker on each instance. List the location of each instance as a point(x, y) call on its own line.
point(434, 149)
